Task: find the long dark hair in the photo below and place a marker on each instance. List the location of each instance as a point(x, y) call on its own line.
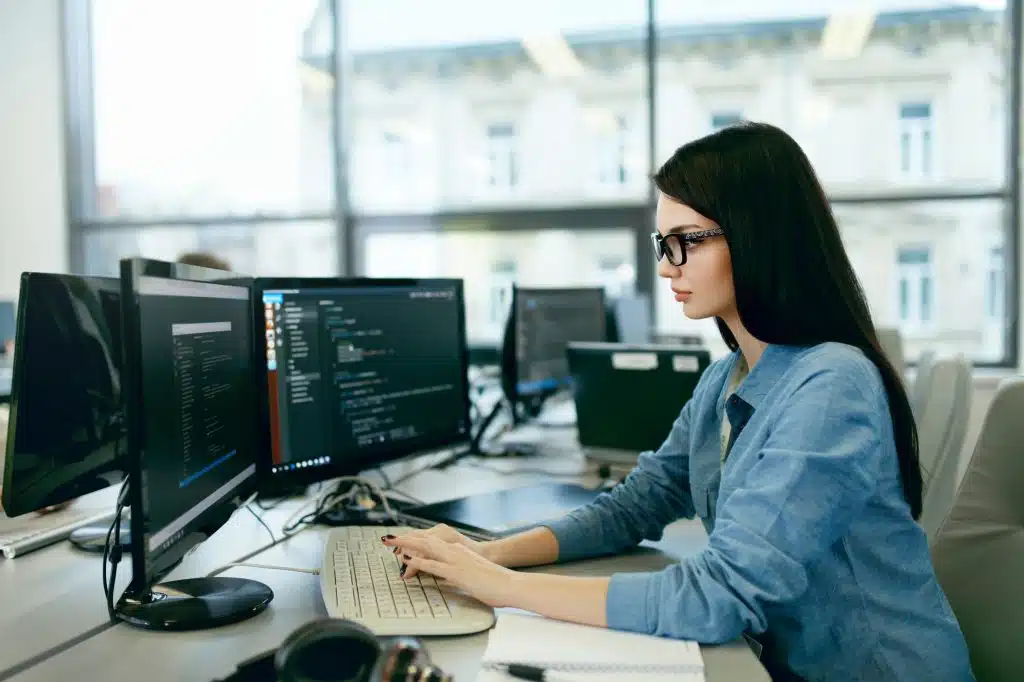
point(794, 283)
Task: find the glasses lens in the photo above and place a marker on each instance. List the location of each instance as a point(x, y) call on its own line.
point(674, 250)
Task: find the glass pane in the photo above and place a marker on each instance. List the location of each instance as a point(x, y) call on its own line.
point(307, 249)
point(527, 103)
point(931, 304)
point(491, 262)
point(212, 108)
point(878, 94)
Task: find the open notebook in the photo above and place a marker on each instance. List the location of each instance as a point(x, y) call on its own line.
point(580, 652)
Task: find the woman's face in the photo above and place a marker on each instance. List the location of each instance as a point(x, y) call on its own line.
point(703, 284)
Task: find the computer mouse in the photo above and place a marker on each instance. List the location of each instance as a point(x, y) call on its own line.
point(93, 538)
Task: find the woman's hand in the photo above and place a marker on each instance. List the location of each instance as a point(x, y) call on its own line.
point(457, 563)
point(441, 532)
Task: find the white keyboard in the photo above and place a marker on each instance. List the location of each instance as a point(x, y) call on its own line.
point(359, 581)
point(27, 533)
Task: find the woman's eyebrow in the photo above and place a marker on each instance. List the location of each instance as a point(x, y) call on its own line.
point(679, 229)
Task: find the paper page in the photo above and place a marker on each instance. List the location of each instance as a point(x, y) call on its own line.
point(531, 639)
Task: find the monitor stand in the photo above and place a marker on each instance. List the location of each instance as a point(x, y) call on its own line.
point(93, 537)
point(195, 603)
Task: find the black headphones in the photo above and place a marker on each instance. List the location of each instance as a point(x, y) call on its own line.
point(332, 650)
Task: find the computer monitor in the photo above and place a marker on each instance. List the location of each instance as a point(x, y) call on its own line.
point(632, 319)
point(358, 372)
point(191, 447)
point(7, 324)
point(540, 324)
point(66, 422)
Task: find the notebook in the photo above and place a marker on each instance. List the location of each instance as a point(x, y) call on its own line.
point(580, 652)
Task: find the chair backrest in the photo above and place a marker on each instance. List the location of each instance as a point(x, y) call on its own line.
point(941, 429)
point(891, 341)
point(979, 551)
point(922, 381)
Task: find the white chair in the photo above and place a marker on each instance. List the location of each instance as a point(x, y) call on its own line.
point(922, 381)
point(891, 341)
point(941, 429)
point(979, 549)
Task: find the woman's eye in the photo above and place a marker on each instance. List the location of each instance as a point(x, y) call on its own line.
point(691, 244)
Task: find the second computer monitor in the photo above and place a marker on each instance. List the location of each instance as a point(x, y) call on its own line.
point(542, 322)
point(359, 372)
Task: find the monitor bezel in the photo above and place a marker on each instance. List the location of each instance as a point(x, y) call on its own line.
point(9, 497)
point(149, 566)
point(272, 482)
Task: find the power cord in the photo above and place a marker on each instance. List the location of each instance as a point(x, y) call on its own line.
point(361, 490)
point(112, 552)
point(246, 564)
point(262, 522)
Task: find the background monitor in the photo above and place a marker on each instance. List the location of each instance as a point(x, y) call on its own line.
point(541, 323)
point(192, 423)
point(631, 316)
point(359, 372)
point(629, 395)
point(66, 423)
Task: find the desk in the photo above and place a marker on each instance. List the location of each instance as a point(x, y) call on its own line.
point(126, 653)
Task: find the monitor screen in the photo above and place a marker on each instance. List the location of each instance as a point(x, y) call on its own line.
point(545, 321)
point(360, 372)
point(191, 407)
point(66, 421)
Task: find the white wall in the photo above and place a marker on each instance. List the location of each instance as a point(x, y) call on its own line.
point(33, 219)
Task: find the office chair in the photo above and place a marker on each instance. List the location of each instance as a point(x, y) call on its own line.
point(979, 551)
point(922, 381)
point(891, 341)
point(941, 429)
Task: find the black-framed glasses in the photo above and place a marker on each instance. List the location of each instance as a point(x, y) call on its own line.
point(673, 245)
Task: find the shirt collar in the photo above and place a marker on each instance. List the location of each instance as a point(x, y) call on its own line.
point(766, 372)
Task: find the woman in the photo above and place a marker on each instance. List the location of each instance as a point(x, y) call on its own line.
point(798, 451)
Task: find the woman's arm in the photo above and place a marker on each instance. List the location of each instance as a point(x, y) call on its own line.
point(533, 547)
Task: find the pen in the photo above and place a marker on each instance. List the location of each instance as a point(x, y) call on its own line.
point(526, 672)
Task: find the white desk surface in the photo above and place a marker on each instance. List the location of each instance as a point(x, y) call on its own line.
point(52, 595)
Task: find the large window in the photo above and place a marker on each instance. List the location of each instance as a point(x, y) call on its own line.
point(517, 127)
point(209, 128)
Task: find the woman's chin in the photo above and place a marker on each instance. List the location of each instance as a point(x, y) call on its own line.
point(693, 312)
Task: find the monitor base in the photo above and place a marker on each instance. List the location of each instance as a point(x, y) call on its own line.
point(93, 537)
point(195, 604)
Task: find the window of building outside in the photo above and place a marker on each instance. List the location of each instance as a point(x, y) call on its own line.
point(915, 286)
point(917, 141)
point(995, 286)
point(502, 157)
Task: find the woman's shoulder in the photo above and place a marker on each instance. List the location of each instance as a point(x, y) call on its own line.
point(834, 361)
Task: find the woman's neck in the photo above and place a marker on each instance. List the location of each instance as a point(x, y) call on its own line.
point(750, 347)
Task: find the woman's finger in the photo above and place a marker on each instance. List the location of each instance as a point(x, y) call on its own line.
point(435, 568)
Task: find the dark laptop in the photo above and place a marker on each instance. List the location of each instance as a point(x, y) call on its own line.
point(628, 396)
point(506, 512)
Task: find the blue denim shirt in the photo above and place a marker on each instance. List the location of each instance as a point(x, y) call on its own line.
point(812, 549)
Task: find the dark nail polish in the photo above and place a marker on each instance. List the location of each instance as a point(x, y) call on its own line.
point(407, 557)
point(384, 538)
point(401, 571)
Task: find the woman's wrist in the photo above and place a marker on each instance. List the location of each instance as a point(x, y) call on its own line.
point(491, 550)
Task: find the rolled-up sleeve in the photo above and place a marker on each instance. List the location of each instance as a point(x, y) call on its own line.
point(656, 493)
point(814, 474)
